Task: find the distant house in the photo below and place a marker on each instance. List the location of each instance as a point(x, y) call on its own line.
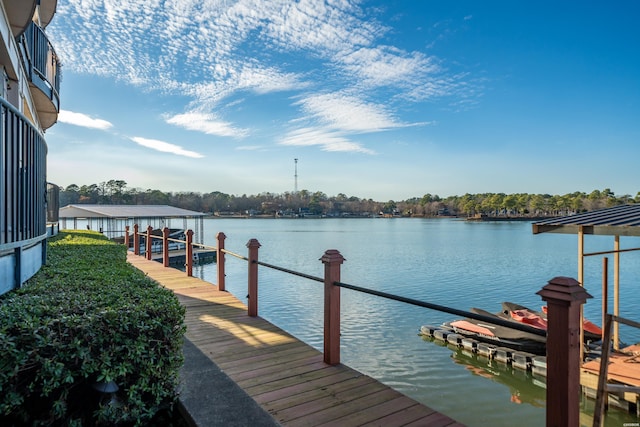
point(30, 104)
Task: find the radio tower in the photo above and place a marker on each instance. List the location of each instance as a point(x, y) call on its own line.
point(295, 177)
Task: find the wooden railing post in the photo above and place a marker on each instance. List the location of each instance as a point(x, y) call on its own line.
point(136, 240)
point(126, 236)
point(220, 261)
point(165, 246)
point(332, 259)
point(189, 253)
point(564, 297)
point(253, 246)
point(148, 242)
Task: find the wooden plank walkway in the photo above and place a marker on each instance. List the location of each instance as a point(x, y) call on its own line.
point(285, 376)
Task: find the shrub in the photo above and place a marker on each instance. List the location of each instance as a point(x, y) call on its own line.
point(88, 317)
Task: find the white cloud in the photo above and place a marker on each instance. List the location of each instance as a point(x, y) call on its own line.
point(230, 46)
point(327, 140)
point(165, 147)
point(79, 119)
point(206, 123)
point(388, 66)
point(215, 50)
point(348, 113)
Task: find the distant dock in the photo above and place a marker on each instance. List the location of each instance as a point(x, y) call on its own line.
point(179, 258)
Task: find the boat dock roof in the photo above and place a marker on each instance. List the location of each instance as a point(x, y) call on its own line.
point(126, 211)
point(623, 220)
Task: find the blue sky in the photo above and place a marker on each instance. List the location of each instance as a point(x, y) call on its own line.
point(376, 99)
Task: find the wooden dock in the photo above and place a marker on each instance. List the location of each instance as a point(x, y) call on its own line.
point(177, 258)
point(285, 376)
point(623, 370)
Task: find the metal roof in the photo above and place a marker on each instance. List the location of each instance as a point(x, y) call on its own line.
point(126, 211)
point(623, 220)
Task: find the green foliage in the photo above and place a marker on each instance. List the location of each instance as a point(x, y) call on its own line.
point(88, 316)
point(491, 204)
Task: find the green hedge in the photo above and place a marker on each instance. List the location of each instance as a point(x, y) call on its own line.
point(88, 317)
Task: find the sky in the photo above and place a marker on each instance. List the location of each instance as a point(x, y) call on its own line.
point(379, 99)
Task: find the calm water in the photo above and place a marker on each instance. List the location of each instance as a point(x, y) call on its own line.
point(442, 261)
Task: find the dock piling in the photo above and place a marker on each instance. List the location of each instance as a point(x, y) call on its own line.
point(189, 253)
point(332, 259)
point(564, 297)
point(220, 260)
point(253, 246)
point(148, 242)
point(165, 246)
point(136, 240)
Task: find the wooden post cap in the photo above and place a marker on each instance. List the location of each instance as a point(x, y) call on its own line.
point(221, 236)
point(332, 256)
point(564, 289)
point(253, 243)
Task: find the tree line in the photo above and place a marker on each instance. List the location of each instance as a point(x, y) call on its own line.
point(318, 203)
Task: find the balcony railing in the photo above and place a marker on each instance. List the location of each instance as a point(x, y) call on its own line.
point(23, 212)
point(43, 69)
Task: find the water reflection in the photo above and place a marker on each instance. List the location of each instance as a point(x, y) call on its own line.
point(523, 386)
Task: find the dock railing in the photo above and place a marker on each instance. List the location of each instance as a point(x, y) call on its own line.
point(564, 297)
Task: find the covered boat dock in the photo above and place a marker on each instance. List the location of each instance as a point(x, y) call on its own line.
point(111, 220)
point(617, 221)
point(623, 368)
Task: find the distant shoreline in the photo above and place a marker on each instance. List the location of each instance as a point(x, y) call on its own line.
point(471, 219)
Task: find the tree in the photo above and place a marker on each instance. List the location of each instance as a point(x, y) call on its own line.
point(114, 190)
point(389, 207)
point(70, 195)
point(89, 194)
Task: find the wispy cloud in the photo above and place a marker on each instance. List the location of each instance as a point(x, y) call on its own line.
point(249, 148)
point(347, 113)
point(333, 121)
point(327, 140)
point(205, 123)
point(79, 119)
point(165, 147)
point(217, 50)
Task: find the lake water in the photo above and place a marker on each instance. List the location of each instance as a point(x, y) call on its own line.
point(442, 261)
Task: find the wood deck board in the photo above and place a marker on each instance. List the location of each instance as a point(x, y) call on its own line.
point(435, 419)
point(283, 373)
point(623, 368)
point(295, 389)
point(360, 405)
point(224, 359)
point(272, 352)
point(265, 361)
point(375, 413)
point(320, 377)
point(285, 376)
point(305, 393)
point(401, 417)
point(276, 370)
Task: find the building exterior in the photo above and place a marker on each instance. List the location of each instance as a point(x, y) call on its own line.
point(29, 105)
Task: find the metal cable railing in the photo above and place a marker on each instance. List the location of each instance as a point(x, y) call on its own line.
point(493, 320)
point(412, 301)
point(445, 309)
